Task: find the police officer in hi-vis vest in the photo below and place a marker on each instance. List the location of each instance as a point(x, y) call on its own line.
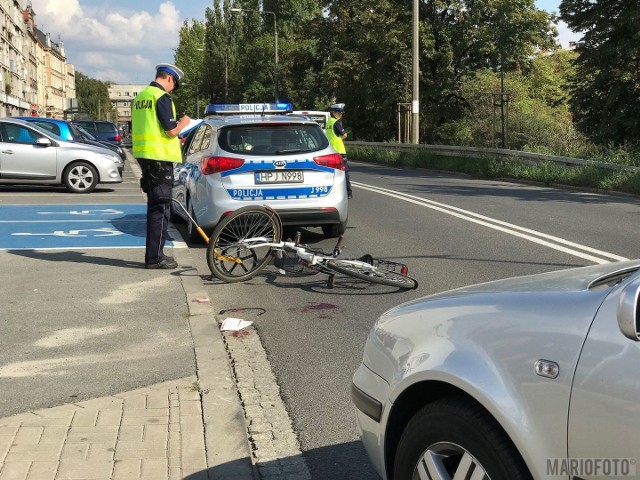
point(154, 133)
point(336, 134)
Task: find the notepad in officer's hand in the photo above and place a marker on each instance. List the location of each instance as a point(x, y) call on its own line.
point(193, 123)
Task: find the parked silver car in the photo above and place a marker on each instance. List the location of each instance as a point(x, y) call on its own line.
point(32, 155)
point(530, 377)
point(285, 162)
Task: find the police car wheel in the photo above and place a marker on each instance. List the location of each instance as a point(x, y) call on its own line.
point(335, 230)
point(192, 230)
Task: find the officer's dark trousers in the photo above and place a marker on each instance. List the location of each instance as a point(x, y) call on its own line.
point(157, 182)
point(346, 173)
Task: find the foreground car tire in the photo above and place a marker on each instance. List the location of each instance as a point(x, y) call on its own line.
point(454, 438)
point(80, 177)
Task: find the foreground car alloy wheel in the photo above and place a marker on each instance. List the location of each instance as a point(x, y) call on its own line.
point(454, 438)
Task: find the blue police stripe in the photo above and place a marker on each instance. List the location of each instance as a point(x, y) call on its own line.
point(261, 193)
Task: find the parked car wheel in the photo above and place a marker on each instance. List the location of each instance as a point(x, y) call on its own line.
point(454, 438)
point(335, 230)
point(80, 177)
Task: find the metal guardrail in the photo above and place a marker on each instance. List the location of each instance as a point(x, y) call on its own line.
point(500, 153)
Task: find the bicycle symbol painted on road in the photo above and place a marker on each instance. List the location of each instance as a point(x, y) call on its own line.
point(101, 232)
point(106, 211)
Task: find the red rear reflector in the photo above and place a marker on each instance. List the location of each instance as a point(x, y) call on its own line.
point(333, 160)
point(220, 164)
point(118, 138)
point(404, 270)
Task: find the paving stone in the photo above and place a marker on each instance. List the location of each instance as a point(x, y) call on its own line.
point(28, 435)
point(131, 433)
point(85, 470)
point(15, 470)
point(127, 469)
point(43, 471)
point(155, 468)
point(53, 434)
point(108, 417)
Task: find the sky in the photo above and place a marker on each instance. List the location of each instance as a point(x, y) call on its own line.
point(122, 40)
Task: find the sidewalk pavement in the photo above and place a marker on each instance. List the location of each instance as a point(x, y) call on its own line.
point(189, 428)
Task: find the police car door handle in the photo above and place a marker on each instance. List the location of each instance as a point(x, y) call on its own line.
point(10, 152)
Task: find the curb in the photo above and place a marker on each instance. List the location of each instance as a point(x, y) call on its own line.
point(226, 442)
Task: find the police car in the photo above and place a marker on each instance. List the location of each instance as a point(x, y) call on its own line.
point(246, 154)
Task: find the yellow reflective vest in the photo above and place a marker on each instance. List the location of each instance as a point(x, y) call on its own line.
point(335, 141)
point(147, 134)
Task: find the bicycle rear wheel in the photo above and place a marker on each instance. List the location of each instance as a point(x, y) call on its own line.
point(363, 271)
point(230, 254)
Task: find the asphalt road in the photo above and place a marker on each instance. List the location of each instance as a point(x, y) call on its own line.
point(80, 316)
point(451, 231)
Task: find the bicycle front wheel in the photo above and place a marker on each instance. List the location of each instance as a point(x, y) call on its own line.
point(231, 255)
point(364, 271)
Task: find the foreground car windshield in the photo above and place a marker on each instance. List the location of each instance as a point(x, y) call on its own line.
point(272, 139)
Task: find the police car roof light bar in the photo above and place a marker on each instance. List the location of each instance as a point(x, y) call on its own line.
point(248, 108)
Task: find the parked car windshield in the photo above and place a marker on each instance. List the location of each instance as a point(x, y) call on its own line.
point(278, 139)
point(79, 131)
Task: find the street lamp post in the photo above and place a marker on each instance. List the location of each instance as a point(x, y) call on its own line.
point(415, 102)
point(275, 31)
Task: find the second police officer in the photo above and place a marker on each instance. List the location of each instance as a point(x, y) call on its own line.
point(336, 134)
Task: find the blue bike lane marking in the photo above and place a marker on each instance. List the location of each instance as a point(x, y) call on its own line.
point(48, 227)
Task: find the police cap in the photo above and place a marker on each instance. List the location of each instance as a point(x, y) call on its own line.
point(172, 70)
point(337, 107)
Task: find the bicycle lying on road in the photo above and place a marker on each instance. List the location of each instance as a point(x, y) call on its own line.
point(245, 242)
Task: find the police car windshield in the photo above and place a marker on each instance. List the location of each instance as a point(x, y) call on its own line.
point(272, 139)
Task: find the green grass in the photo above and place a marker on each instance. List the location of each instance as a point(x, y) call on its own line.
point(548, 173)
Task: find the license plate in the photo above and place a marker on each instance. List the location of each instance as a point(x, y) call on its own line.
point(280, 176)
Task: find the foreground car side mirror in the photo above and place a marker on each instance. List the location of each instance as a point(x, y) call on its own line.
point(628, 312)
point(43, 142)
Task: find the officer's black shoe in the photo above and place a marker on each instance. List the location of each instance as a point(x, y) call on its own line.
point(169, 259)
point(164, 264)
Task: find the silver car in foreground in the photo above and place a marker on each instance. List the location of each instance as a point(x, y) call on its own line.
point(32, 155)
point(531, 377)
point(281, 161)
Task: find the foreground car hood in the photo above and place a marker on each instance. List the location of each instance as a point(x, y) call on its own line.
point(522, 319)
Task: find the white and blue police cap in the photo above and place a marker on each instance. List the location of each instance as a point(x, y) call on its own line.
point(170, 69)
point(337, 107)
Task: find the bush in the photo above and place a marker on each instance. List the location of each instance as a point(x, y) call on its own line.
point(548, 173)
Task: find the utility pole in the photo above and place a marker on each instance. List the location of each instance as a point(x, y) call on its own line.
point(415, 103)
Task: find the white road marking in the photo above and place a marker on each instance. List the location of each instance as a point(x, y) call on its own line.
point(534, 236)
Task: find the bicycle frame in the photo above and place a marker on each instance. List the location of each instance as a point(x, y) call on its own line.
point(310, 259)
point(247, 240)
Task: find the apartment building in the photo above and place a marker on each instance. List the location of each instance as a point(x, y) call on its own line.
point(35, 78)
point(121, 97)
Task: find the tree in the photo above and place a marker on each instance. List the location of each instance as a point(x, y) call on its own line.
point(93, 97)
point(538, 111)
point(462, 37)
point(606, 87)
point(189, 58)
